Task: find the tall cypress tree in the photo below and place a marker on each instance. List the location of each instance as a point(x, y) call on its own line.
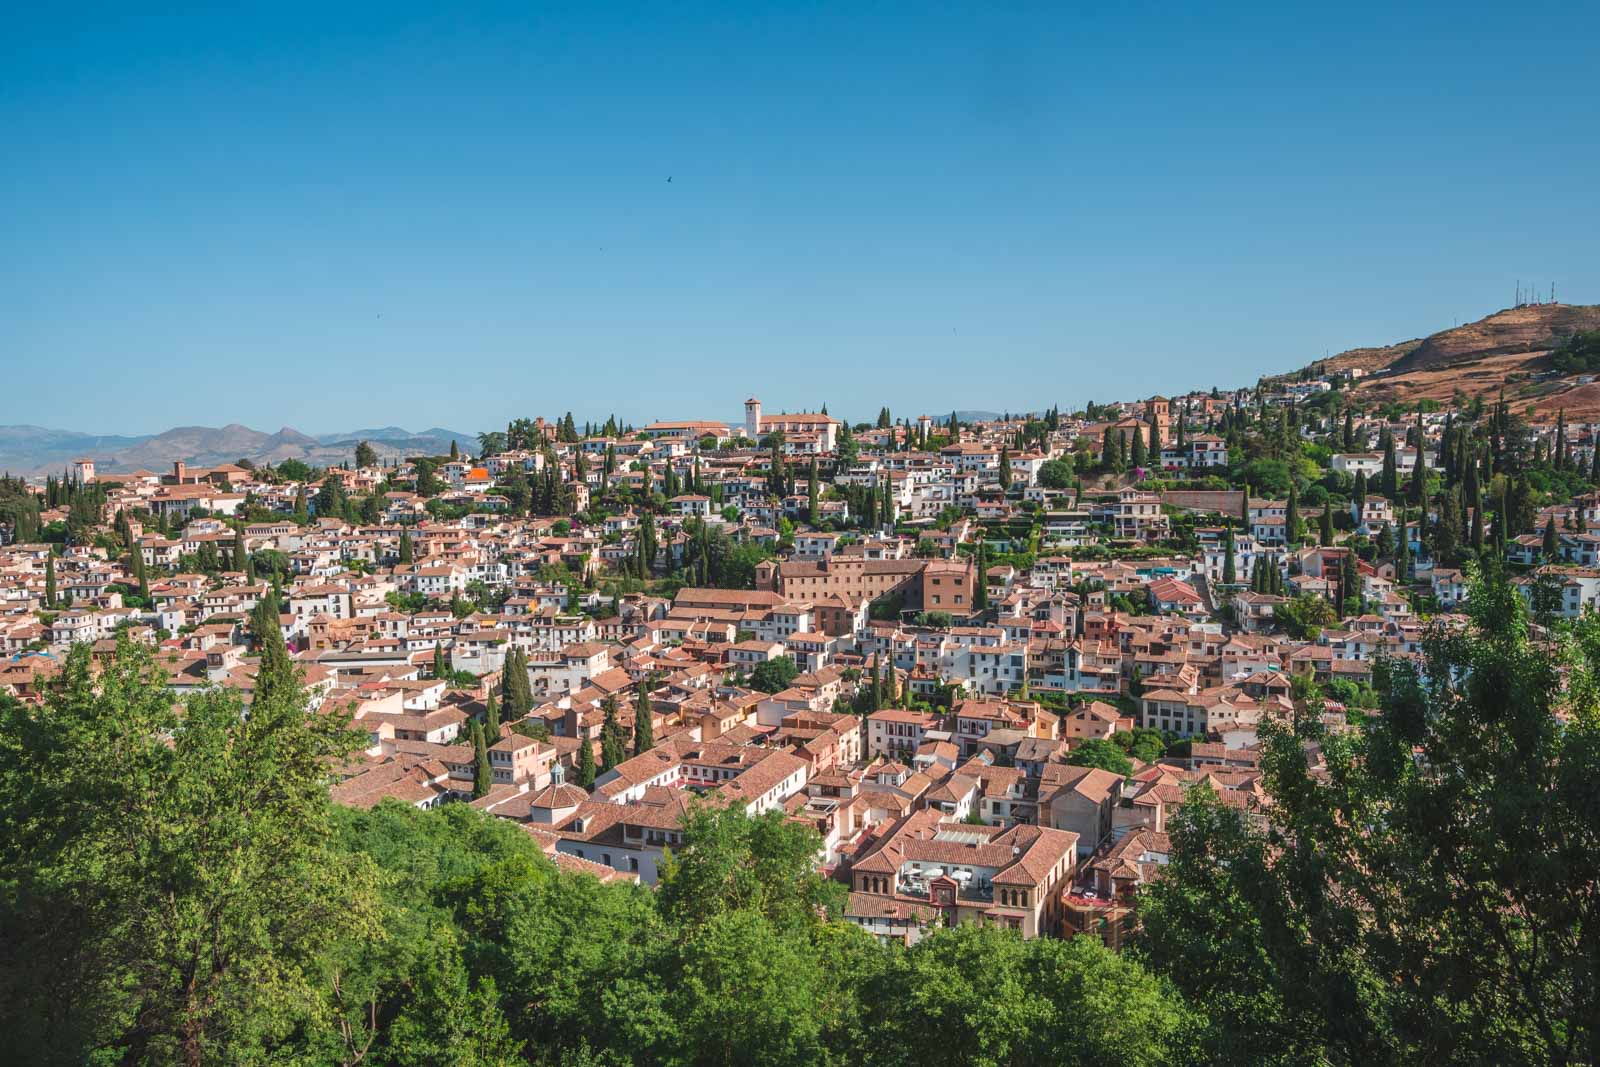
point(1390, 485)
point(275, 672)
point(50, 581)
point(813, 495)
point(644, 730)
point(1230, 573)
point(405, 545)
point(139, 575)
point(611, 749)
point(238, 548)
point(1325, 530)
point(585, 771)
point(482, 777)
point(1402, 551)
point(1552, 545)
point(980, 594)
point(1291, 521)
point(439, 667)
point(491, 717)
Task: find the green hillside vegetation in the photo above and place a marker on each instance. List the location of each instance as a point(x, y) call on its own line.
point(1578, 354)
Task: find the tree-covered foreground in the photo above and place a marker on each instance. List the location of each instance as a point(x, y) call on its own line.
point(176, 887)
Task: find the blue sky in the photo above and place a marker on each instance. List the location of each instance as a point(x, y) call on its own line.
point(339, 215)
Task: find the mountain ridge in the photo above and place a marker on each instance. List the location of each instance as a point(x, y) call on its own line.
point(37, 450)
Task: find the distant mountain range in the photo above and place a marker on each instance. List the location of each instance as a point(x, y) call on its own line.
point(36, 450)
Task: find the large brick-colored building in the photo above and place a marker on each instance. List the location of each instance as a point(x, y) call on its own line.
point(921, 584)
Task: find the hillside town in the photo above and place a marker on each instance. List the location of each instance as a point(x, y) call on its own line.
point(986, 659)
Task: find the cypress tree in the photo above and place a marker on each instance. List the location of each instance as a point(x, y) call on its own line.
point(1244, 507)
point(1229, 571)
point(1477, 523)
point(1349, 431)
point(877, 682)
point(139, 575)
point(1560, 450)
point(585, 772)
point(1349, 580)
point(611, 751)
point(238, 548)
point(521, 688)
point(1551, 545)
point(1390, 485)
point(405, 545)
point(491, 718)
point(1291, 521)
point(275, 672)
point(1325, 531)
point(644, 730)
point(1138, 455)
point(1402, 552)
point(482, 777)
point(438, 660)
point(1005, 467)
point(980, 595)
point(813, 506)
point(50, 581)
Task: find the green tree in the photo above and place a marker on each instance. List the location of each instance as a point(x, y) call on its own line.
point(729, 861)
point(774, 675)
point(405, 545)
point(1098, 752)
point(585, 769)
point(813, 491)
point(275, 671)
point(612, 750)
point(171, 876)
point(491, 717)
point(1057, 473)
point(1230, 573)
point(483, 775)
point(366, 455)
point(1386, 915)
point(50, 581)
point(644, 730)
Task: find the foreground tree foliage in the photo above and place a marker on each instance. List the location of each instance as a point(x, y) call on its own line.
point(1432, 897)
point(175, 886)
point(168, 880)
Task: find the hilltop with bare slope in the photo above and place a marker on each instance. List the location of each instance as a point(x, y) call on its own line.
point(1507, 350)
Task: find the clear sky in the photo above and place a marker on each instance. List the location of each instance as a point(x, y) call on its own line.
point(339, 215)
